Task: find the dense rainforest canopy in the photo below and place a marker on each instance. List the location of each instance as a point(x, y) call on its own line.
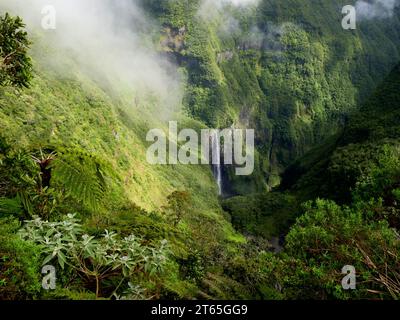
point(77, 193)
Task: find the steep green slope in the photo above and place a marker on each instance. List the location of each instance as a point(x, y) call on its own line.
point(73, 143)
point(284, 68)
point(78, 111)
point(360, 170)
point(69, 116)
point(333, 169)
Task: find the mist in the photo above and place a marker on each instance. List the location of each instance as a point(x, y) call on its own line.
point(266, 40)
point(239, 2)
point(110, 41)
point(224, 14)
point(211, 9)
point(376, 9)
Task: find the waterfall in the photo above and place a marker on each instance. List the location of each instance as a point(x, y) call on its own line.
point(216, 159)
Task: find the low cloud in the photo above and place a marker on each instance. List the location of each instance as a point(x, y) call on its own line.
point(376, 9)
point(267, 40)
point(210, 9)
point(110, 41)
point(240, 2)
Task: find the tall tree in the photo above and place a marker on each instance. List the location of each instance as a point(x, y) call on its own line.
point(15, 64)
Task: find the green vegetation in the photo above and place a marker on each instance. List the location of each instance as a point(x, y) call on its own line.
point(19, 264)
point(328, 237)
point(67, 146)
point(15, 64)
point(101, 262)
point(178, 206)
point(76, 191)
point(265, 215)
point(286, 69)
point(360, 170)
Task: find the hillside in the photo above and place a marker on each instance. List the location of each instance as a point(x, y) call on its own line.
point(285, 68)
point(359, 169)
point(70, 117)
point(339, 163)
point(79, 196)
point(330, 170)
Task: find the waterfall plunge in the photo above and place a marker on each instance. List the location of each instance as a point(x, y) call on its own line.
point(216, 159)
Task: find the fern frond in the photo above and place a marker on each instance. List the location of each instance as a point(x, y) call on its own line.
point(82, 176)
point(26, 202)
point(221, 287)
point(10, 206)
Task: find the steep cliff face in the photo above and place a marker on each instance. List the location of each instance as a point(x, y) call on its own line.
point(285, 68)
point(353, 167)
point(332, 169)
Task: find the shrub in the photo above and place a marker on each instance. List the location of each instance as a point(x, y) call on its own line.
point(19, 264)
point(328, 237)
point(15, 64)
point(100, 261)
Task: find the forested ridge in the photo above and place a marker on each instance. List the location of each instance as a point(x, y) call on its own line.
point(77, 193)
point(286, 68)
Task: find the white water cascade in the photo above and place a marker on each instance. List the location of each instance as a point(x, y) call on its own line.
point(216, 159)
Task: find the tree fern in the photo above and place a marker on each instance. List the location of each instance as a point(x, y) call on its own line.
point(81, 175)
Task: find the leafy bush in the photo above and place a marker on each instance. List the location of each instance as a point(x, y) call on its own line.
point(15, 64)
point(382, 178)
point(97, 260)
point(328, 237)
point(19, 264)
point(179, 204)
